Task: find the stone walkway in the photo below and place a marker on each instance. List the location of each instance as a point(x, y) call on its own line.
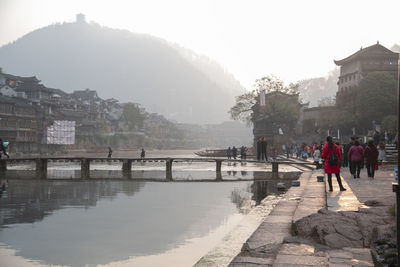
point(341, 200)
point(273, 244)
point(265, 244)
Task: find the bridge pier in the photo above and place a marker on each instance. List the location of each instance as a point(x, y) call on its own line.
point(41, 168)
point(127, 168)
point(168, 173)
point(3, 166)
point(275, 169)
point(218, 169)
point(85, 168)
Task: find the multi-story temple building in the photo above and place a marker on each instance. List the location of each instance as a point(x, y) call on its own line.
point(356, 66)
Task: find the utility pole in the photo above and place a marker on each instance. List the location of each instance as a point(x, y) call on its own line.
point(396, 187)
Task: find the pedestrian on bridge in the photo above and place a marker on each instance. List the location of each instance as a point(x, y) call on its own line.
point(109, 152)
point(229, 153)
point(234, 152)
point(142, 154)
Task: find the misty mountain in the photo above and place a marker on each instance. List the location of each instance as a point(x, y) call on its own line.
point(313, 90)
point(162, 77)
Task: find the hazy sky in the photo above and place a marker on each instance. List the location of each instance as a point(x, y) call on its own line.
point(293, 40)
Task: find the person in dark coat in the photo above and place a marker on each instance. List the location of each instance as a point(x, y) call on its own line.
point(264, 149)
point(371, 158)
point(142, 154)
point(346, 151)
point(229, 153)
point(234, 152)
point(243, 153)
point(259, 149)
point(329, 149)
point(377, 137)
point(109, 152)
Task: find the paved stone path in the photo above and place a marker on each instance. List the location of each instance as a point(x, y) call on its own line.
point(265, 243)
point(272, 244)
point(341, 200)
point(379, 188)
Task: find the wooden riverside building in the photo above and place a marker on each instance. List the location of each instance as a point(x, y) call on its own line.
point(354, 68)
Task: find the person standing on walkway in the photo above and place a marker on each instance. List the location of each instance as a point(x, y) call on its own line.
point(317, 157)
point(356, 154)
point(264, 149)
point(142, 154)
point(331, 154)
point(109, 152)
point(382, 153)
point(258, 148)
point(371, 158)
point(346, 150)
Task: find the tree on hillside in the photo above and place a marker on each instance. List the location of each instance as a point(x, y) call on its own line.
point(376, 98)
point(133, 115)
point(243, 109)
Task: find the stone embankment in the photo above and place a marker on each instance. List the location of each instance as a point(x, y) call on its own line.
point(312, 227)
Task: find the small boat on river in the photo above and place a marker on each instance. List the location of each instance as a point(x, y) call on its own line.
point(211, 153)
point(219, 152)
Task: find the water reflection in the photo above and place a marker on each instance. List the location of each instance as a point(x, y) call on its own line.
point(80, 222)
point(104, 221)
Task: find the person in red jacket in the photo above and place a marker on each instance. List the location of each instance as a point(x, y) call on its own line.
point(330, 152)
point(371, 158)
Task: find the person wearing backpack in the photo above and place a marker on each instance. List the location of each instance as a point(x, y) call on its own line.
point(331, 154)
point(356, 154)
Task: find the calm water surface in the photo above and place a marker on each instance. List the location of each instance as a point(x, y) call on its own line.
point(120, 222)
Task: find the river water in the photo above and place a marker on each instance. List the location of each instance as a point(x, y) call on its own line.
point(120, 222)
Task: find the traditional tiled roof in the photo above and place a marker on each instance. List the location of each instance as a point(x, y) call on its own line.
point(22, 79)
point(39, 87)
point(85, 94)
point(365, 51)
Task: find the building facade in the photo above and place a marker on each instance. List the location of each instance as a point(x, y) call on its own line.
point(354, 68)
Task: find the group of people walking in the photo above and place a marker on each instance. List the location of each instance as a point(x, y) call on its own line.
point(233, 152)
point(262, 149)
point(355, 155)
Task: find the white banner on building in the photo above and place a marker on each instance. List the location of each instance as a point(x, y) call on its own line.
point(60, 133)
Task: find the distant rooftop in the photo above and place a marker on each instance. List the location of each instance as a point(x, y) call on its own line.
point(80, 18)
point(364, 51)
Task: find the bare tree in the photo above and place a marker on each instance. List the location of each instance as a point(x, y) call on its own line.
point(242, 110)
